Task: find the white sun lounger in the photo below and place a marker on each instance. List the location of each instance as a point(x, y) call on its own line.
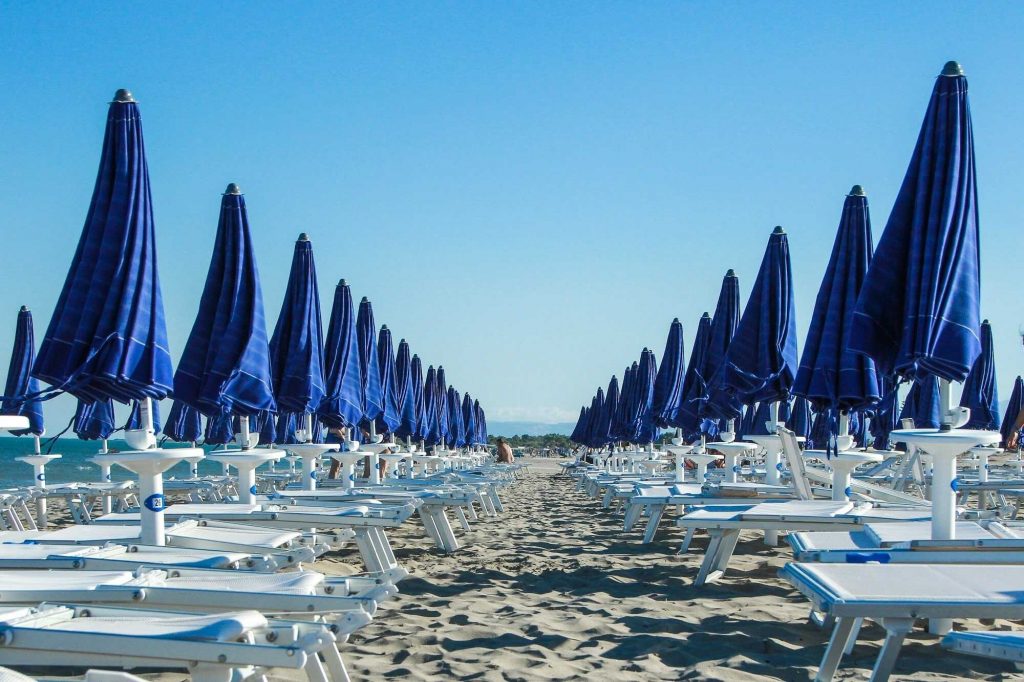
point(1001, 645)
point(213, 648)
point(286, 594)
point(895, 595)
point(365, 520)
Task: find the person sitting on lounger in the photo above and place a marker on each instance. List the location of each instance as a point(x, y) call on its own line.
point(505, 455)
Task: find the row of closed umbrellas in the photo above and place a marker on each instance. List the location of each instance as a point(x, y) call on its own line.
point(107, 339)
point(908, 310)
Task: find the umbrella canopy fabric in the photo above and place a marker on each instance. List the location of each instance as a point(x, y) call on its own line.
point(342, 405)
point(918, 310)
point(405, 394)
point(21, 387)
point(481, 422)
point(418, 385)
point(369, 363)
point(1013, 408)
point(441, 405)
point(799, 421)
point(134, 422)
point(621, 427)
point(285, 428)
point(107, 337)
point(695, 382)
point(718, 403)
point(594, 437)
point(609, 424)
point(220, 429)
point(762, 359)
point(646, 429)
point(94, 421)
point(469, 419)
point(389, 418)
point(581, 422)
point(885, 416)
point(297, 346)
point(746, 423)
point(980, 393)
point(265, 423)
point(431, 429)
point(922, 403)
point(830, 374)
point(668, 386)
point(457, 437)
point(225, 367)
point(184, 423)
point(758, 422)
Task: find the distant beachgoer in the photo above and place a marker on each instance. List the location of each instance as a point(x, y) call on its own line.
point(505, 455)
point(1018, 424)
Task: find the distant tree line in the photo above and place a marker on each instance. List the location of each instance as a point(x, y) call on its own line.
point(552, 440)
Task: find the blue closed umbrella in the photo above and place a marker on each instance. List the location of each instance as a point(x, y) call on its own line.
point(577, 433)
point(922, 403)
point(389, 417)
point(265, 424)
point(980, 393)
point(761, 362)
point(184, 423)
point(457, 437)
point(885, 416)
point(285, 428)
point(134, 421)
point(342, 405)
point(94, 421)
point(441, 405)
point(668, 386)
point(220, 430)
point(594, 437)
point(418, 384)
point(646, 429)
point(405, 393)
point(746, 424)
point(759, 420)
point(469, 419)
point(1013, 408)
point(830, 374)
point(107, 337)
point(297, 346)
point(366, 332)
point(225, 367)
point(695, 380)
point(21, 388)
point(625, 410)
point(718, 403)
point(609, 426)
point(481, 421)
point(431, 429)
point(918, 311)
point(799, 421)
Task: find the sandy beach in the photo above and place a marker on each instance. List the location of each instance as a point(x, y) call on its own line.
point(554, 590)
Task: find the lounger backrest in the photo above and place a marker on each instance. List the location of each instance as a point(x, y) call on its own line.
point(796, 464)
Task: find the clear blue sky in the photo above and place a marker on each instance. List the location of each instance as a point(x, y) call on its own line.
point(528, 192)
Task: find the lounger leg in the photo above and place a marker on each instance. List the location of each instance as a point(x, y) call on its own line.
point(715, 563)
point(460, 514)
point(315, 669)
point(450, 543)
point(631, 516)
point(896, 630)
point(709, 554)
point(834, 650)
point(652, 524)
point(335, 665)
point(858, 623)
point(687, 540)
point(368, 552)
point(471, 512)
point(428, 526)
point(496, 500)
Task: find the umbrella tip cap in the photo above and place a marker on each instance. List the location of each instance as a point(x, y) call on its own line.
point(364, 300)
point(778, 230)
point(730, 273)
point(383, 327)
point(303, 237)
point(123, 96)
point(952, 68)
point(24, 309)
point(983, 321)
point(342, 282)
point(858, 191)
point(706, 314)
point(233, 188)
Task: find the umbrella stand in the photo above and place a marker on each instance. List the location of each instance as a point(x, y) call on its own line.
point(149, 463)
point(245, 461)
point(310, 452)
point(39, 462)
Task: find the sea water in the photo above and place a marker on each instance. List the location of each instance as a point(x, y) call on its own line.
point(74, 464)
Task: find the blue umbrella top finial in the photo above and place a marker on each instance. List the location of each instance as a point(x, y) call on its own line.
point(123, 96)
point(303, 237)
point(857, 191)
point(233, 189)
point(778, 230)
point(952, 68)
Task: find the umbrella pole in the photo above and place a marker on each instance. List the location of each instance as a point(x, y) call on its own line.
point(372, 456)
point(243, 432)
